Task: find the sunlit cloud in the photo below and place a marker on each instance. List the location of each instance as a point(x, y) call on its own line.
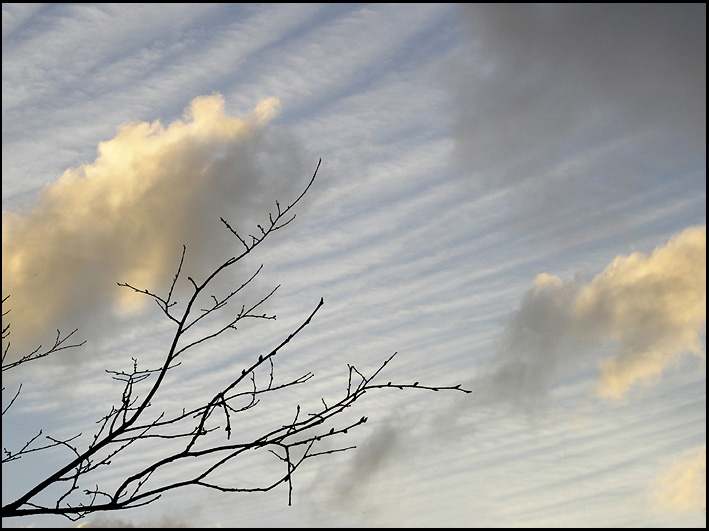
point(682, 485)
point(126, 216)
point(652, 305)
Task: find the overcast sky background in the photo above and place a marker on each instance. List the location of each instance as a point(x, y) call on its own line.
point(511, 197)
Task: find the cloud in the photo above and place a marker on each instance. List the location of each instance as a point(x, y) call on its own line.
point(529, 353)
point(561, 102)
point(682, 485)
point(125, 216)
point(652, 305)
point(369, 459)
point(107, 521)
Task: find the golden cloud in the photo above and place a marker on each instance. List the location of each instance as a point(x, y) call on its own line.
point(682, 485)
point(654, 305)
point(125, 216)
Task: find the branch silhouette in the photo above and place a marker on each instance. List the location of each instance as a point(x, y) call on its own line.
point(192, 433)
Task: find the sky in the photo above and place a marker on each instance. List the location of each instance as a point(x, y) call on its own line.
point(512, 198)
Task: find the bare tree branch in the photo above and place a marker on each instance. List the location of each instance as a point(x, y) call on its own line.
point(193, 433)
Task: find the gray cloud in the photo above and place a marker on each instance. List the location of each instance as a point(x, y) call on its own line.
point(370, 458)
point(574, 105)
